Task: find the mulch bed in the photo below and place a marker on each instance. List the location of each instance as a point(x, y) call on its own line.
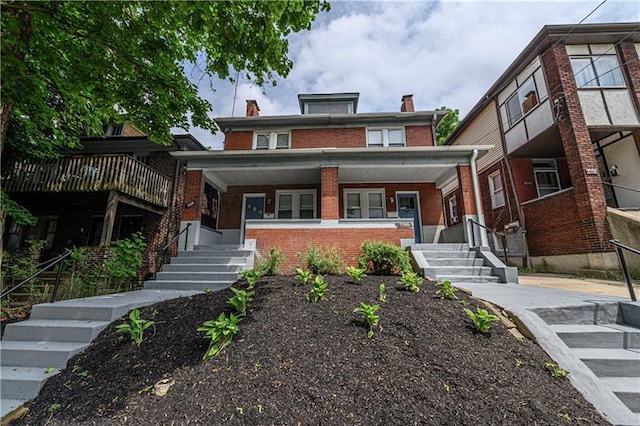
point(300, 363)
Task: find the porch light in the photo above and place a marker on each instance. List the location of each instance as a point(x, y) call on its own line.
point(391, 200)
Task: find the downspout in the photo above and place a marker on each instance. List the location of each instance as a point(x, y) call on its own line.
point(476, 195)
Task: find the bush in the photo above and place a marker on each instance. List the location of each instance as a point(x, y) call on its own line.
point(380, 258)
point(271, 265)
point(322, 262)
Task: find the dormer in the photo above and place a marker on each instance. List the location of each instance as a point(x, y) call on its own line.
point(329, 103)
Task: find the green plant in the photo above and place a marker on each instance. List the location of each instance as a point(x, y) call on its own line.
point(49, 370)
point(303, 276)
point(446, 290)
point(382, 258)
point(382, 290)
point(135, 327)
point(356, 274)
point(322, 262)
point(52, 408)
point(125, 258)
point(318, 289)
point(252, 276)
point(220, 332)
point(482, 319)
point(271, 264)
point(240, 300)
point(556, 371)
point(411, 280)
point(370, 316)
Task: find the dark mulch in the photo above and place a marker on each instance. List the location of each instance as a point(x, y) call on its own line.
point(301, 363)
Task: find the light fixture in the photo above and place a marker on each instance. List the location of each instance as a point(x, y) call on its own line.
point(190, 204)
point(391, 200)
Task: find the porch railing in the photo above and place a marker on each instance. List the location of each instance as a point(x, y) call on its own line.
point(493, 231)
point(90, 174)
point(623, 263)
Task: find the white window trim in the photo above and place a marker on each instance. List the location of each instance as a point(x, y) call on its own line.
point(273, 139)
point(591, 59)
point(543, 169)
point(385, 136)
point(364, 200)
point(493, 191)
point(295, 214)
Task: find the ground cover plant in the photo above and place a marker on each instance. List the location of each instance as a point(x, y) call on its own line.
point(293, 362)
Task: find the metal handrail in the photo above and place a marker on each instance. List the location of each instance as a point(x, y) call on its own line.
point(60, 259)
point(493, 231)
point(619, 247)
point(163, 250)
point(620, 186)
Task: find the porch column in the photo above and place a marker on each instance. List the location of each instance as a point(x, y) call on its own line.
point(192, 207)
point(109, 219)
point(330, 200)
point(470, 209)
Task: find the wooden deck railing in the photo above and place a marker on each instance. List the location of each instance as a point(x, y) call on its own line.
point(90, 174)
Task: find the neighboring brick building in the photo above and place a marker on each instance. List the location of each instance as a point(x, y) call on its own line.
point(115, 186)
point(563, 120)
point(328, 176)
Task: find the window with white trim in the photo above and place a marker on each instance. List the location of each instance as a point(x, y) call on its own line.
point(546, 174)
point(271, 140)
point(298, 204)
point(364, 204)
point(496, 190)
point(453, 210)
point(385, 137)
point(597, 71)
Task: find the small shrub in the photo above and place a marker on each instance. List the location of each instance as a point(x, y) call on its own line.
point(240, 300)
point(322, 262)
point(481, 320)
point(271, 265)
point(303, 276)
point(446, 290)
point(135, 327)
point(370, 316)
point(220, 332)
point(252, 276)
point(382, 290)
point(318, 289)
point(356, 274)
point(125, 258)
point(556, 371)
point(382, 258)
point(410, 280)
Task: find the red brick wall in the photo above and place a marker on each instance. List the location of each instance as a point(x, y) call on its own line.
point(238, 140)
point(629, 57)
point(525, 181)
point(465, 182)
point(193, 190)
point(418, 136)
point(292, 241)
point(499, 217)
point(329, 193)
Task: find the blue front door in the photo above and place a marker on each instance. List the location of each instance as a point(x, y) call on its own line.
point(253, 209)
point(408, 208)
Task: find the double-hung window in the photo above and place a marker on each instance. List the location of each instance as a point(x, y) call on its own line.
point(597, 71)
point(296, 204)
point(546, 173)
point(522, 101)
point(364, 204)
point(496, 190)
point(385, 137)
point(453, 210)
point(271, 140)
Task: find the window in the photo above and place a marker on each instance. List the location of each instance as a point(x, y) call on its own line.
point(142, 157)
point(271, 140)
point(496, 190)
point(129, 225)
point(546, 174)
point(328, 108)
point(95, 230)
point(296, 204)
point(597, 71)
point(385, 137)
point(44, 229)
point(453, 210)
point(522, 101)
point(114, 130)
point(364, 204)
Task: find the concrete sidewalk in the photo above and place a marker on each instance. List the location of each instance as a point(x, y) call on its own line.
point(583, 285)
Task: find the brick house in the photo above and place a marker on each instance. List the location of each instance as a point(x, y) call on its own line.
point(563, 122)
point(328, 176)
point(114, 186)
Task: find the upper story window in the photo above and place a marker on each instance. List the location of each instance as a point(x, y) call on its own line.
point(385, 137)
point(114, 130)
point(546, 174)
point(522, 101)
point(496, 190)
point(597, 71)
point(328, 108)
point(271, 140)
point(296, 204)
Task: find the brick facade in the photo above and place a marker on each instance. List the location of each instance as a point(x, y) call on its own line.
point(329, 193)
point(465, 182)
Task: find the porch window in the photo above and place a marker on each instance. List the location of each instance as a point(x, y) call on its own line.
point(522, 101)
point(296, 204)
point(597, 71)
point(271, 140)
point(496, 190)
point(364, 204)
point(385, 137)
point(43, 230)
point(546, 173)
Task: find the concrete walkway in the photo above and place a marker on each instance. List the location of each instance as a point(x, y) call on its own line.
point(540, 303)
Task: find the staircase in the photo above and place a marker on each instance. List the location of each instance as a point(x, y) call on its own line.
point(453, 262)
point(606, 338)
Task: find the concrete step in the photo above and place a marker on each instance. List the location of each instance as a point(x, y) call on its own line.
point(448, 254)
point(441, 246)
point(104, 308)
point(598, 336)
point(463, 270)
point(197, 276)
point(610, 362)
point(41, 330)
point(202, 267)
point(461, 279)
point(8, 405)
point(627, 389)
point(38, 354)
point(210, 260)
point(215, 253)
point(477, 261)
point(22, 383)
point(588, 313)
point(212, 247)
point(198, 286)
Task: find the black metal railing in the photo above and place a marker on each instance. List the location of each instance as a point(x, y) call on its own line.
point(493, 231)
point(45, 265)
point(162, 253)
point(623, 263)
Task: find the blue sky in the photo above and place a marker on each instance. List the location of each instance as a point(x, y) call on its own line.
point(444, 53)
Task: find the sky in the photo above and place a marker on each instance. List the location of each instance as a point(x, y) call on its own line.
point(445, 53)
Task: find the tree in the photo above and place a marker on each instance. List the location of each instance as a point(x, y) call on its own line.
point(447, 125)
point(70, 67)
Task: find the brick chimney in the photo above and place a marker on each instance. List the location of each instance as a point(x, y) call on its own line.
point(407, 104)
point(253, 110)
